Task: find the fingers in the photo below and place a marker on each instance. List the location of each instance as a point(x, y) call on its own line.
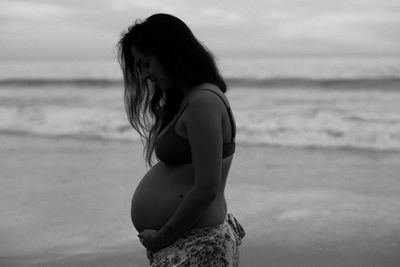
point(140, 238)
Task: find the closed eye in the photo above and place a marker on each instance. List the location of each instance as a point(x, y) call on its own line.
point(143, 63)
point(146, 64)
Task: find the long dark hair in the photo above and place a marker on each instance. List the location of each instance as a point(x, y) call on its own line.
point(185, 60)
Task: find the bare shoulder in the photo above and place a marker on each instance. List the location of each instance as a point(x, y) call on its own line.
point(203, 122)
point(208, 99)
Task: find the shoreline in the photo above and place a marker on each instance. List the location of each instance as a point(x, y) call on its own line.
point(72, 137)
point(299, 206)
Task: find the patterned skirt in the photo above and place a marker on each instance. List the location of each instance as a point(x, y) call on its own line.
point(209, 246)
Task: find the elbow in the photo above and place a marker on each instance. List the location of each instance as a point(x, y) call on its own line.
point(207, 191)
point(205, 199)
point(211, 195)
point(207, 195)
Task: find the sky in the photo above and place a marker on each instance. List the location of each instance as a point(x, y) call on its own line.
point(90, 29)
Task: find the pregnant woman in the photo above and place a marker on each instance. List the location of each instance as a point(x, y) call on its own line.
point(174, 98)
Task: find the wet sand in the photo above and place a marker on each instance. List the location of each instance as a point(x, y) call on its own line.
point(66, 202)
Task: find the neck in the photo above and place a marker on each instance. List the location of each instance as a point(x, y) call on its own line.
point(185, 89)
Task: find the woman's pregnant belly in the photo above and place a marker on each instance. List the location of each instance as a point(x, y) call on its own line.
point(158, 195)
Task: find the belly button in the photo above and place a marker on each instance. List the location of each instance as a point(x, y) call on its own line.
point(181, 196)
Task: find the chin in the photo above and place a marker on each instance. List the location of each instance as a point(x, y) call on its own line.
point(165, 87)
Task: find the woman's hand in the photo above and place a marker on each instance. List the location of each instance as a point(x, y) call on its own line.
point(153, 240)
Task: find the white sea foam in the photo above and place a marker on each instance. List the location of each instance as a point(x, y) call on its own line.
point(309, 114)
point(318, 118)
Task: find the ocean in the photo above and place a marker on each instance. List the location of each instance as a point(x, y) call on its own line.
point(329, 205)
point(332, 102)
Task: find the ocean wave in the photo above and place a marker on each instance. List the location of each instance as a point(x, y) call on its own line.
point(337, 83)
point(42, 82)
point(303, 118)
point(276, 82)
point(317, 144)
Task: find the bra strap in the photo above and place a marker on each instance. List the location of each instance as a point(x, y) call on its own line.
point(233, 125)
point(178, 115)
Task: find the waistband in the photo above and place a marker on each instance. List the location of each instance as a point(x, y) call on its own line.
point(229, 220)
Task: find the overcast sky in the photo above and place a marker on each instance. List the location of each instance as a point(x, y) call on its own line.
point(89, 29)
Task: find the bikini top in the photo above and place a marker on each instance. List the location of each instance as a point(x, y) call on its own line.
point(174, 149)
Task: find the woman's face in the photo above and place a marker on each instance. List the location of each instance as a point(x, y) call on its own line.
point(152, 69)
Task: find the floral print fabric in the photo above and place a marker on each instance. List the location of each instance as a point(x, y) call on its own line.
point(210, 246)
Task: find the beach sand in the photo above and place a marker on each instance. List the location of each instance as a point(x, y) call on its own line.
point(66, 202)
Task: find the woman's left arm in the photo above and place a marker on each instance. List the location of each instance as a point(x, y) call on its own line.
point(203, 123)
